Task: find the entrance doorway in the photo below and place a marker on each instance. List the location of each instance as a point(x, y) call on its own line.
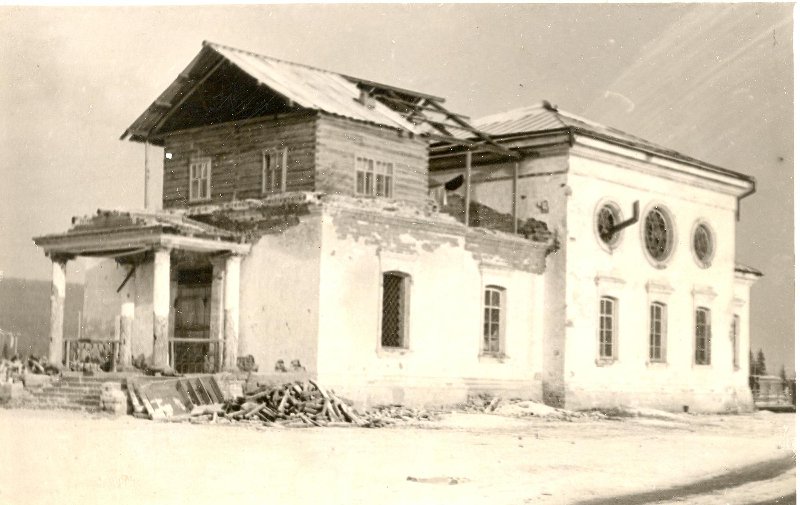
point(192, 350)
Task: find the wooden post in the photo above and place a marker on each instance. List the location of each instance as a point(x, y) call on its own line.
point(57, 295)
point(514, 192)
point(467, 187)
point(126, 334)
point(231, 317)
point(161, 283)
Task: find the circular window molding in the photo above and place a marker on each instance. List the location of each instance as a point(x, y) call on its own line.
point(606, 215)
point(704, 243)
point(658, 235)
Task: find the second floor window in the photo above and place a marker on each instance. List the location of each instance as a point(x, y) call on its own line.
point(273, 170)
point(200, 179)
point(608, 327)
point(374, 178)
point(658, 313)
point(702, 336)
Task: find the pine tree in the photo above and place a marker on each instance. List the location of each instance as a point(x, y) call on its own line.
point(761, 363)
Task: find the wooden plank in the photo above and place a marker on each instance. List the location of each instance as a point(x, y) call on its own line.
point(467, 186)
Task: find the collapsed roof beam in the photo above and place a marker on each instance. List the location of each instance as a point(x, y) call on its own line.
point(468, 127)
point(472, 145)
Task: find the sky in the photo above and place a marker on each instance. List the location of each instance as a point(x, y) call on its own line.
point(714, 81)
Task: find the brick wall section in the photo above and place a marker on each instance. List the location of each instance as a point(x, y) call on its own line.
point(236, 151)
point(339, 141)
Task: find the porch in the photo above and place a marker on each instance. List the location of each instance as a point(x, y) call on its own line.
point(183, 274)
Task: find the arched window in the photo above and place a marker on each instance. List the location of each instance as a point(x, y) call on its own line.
point(608, 328)
point(394, 320)
point(493, 319)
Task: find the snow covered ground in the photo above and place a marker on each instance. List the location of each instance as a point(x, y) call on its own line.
point(59, 457)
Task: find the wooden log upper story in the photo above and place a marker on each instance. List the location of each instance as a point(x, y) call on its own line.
point(305, 151)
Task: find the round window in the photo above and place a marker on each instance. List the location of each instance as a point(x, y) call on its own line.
point(703, 244)
point(608, 216)
point(658, 234)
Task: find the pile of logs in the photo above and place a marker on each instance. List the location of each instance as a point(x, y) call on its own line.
point(292, 403)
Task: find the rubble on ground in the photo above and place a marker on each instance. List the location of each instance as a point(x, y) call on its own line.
point(516, 407)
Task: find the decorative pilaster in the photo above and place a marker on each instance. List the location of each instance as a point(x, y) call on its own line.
point(161, 281)
point(231, 316)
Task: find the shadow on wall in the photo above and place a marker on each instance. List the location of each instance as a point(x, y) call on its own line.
point(25, 311)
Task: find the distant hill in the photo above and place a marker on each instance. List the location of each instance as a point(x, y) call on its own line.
point(25, 310)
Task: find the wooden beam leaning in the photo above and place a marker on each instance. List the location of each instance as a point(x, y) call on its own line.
point(473, 130)
point(467, 187)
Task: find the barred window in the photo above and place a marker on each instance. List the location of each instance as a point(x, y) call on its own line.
point(658, 320)
point(658, 234)
point(735, 341)
point(702, 336)
point(493, 319)
point(273, 170)
point(200, 179)
point(374, 178)
point(608, 327)
point(394, 321)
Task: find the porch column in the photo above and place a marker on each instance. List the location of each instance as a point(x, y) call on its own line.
point(161, 278)
point(57, 294)
point(231, 317)
point(126, 334)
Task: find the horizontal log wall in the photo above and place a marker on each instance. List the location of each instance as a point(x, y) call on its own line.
point(339, 142)
point(236, 150)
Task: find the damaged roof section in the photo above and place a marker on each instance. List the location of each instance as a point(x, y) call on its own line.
point(483, 216)
point(113, 233)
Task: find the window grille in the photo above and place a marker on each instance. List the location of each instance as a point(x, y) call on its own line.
point(200, 180)
point(608, 315)
point(607, 217)
point(657, 234)
point(657, 331)
point(703, 244)
point(394, 324)
point(702, 350)
point(492, 319)
point(374, 178)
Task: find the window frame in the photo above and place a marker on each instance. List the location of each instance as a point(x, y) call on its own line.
point(735, 337)
point(662, 335)
point(404, 313)
point(373, 169)
point(206, 163)
point(614, 329)
point(274, 162)
point(705, 338)
point(671, 231)
point(616, 212)
point(501, 310)
point(712, 243)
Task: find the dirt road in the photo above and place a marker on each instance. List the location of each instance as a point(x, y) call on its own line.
point(57, 457)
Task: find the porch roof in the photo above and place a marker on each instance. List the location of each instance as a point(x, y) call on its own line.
point(120, 233)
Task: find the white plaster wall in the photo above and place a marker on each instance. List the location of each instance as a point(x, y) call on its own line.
point(102, 303)
point(279, 297)
point(542, 189)
point(625, 273)
point(443, 363)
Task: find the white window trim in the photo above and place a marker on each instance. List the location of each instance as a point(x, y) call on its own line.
point(736, 341)
point(280, 155)
point(503, 308)
point(703, 297)
point(389, 190)
point(658, 292)
point(198, 161)
point(610, 285)
point(405, 264)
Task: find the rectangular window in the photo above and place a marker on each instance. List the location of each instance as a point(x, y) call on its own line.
point(200, 179)
point(394, 321)
point(702, 336)
point(735, 341)
point(493, 318)
point(658, 320)
point(608, 327)
point(273, 171)
point(374, 178)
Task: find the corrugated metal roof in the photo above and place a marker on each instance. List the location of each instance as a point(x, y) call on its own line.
point(308, 87)
point(546, 117)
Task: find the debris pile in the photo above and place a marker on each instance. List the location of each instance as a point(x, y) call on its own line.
point(387, 415)
point(515, 407)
